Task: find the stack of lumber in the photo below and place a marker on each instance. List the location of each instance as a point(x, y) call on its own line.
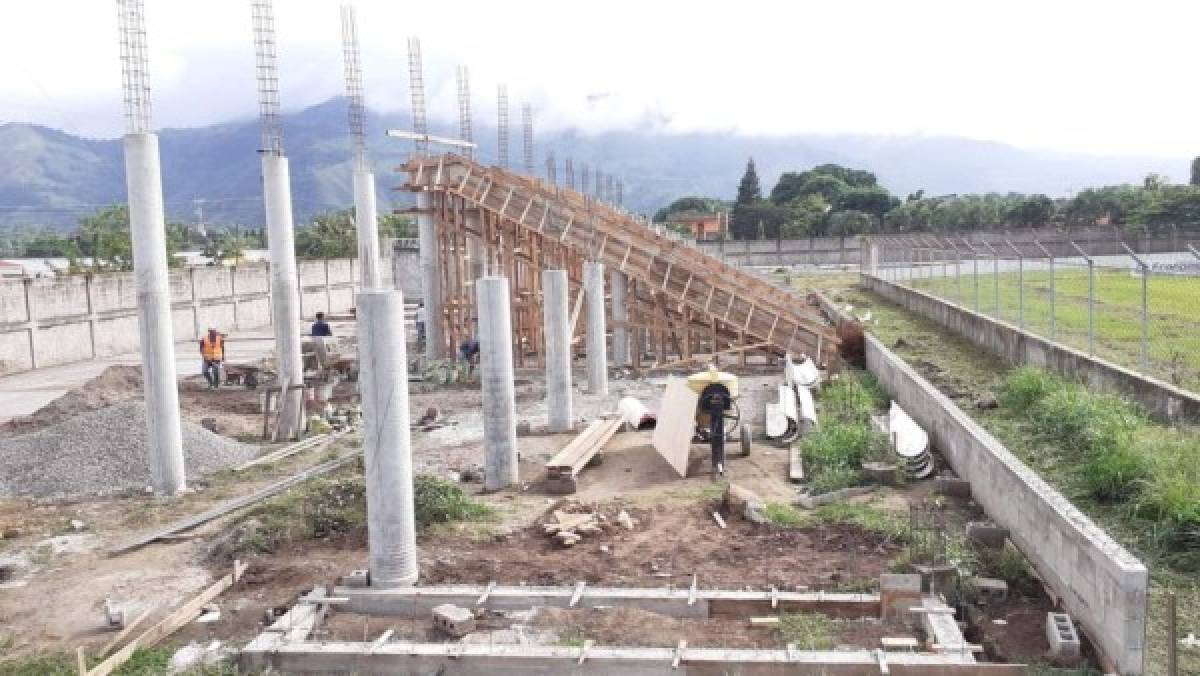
point(562, 469)
point(569, 528)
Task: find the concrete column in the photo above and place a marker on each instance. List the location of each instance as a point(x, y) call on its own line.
point(285, 294)
point(431, 278)
point(143, 180)
point(618, 283)
point(475, 244)
point(387, 449)
point(366, 222)
point(597, 355)
point(557, 330)
point(496, 380)
point(872, 257)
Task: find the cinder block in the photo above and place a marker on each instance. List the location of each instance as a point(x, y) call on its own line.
point(356, 578)
point(897, 593)
point(1060, 632)
point(952, 486)
point(936, 578)
point(453, 620)
point(990, 589)
point(987, 534)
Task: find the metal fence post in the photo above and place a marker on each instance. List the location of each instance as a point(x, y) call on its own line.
point(974, 270)
point(1020, 285)
point(1052, 293)
point(1091, 299)
point(1145, 307)
point(995, 279)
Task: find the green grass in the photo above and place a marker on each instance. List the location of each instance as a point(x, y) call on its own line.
point(329, 506)
point(835, 450)
point(867, 517)
point(807, 631)
point(143, 662)
point(1174, 328)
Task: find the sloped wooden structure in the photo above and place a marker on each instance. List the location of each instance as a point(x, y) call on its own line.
point(679, 300)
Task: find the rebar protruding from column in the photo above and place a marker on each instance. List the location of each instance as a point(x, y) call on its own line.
point(416, 83)
point(527, 134)
point(365, 215)
point(551, 168)
point(597, 348)
point(569, 173)
point(464, 111)
point(496, 382)
point(557, 324)
point(502, 126)
point(387, 449)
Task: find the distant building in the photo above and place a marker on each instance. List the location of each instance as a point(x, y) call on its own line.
point(703, 226)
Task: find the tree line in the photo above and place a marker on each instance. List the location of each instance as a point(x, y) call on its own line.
point(102, 242)
point(834, 200)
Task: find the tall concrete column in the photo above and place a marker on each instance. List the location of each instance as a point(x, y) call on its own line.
point(387, 449)
point(597, 347)
point(619, 283)
point(431, 279)
point(475, 251)
point(366, 223)
point(285, 295)
point(147, 223)
point(496, 380)
point(557, 331)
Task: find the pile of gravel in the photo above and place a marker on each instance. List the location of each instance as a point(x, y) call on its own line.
point(104, 451)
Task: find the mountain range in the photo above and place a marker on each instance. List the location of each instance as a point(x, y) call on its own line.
point(51, 178)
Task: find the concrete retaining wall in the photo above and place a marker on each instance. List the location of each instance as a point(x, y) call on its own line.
point(1102, 585)
point(807, 251)
point(1162, 400)
point(57, 320)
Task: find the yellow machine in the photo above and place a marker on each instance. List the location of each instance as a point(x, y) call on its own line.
point(718, 418)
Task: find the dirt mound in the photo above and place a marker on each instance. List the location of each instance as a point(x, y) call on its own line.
point(115, 384)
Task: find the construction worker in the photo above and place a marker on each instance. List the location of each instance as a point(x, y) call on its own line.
point(212, 352)
point(469, 351)
point(321, 327)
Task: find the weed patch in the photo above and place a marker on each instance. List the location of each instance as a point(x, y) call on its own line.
point(807, 631)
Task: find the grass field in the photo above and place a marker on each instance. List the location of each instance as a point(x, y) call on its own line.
point(1173, 305)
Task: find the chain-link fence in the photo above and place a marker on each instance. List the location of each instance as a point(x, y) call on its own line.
point(1132, 301)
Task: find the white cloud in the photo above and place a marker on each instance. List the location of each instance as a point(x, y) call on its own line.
point(1102, 76)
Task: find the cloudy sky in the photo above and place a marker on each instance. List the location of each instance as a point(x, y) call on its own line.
point(1101, 77)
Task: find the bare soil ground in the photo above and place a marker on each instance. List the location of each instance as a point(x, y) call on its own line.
point(675, 536)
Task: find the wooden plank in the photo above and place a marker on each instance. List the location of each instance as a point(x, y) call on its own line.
point(676, 424)
point(795, 464)
point(575, 310)
point(121, 635)
point(170, 624)
point(577, 454)
point(234, 504)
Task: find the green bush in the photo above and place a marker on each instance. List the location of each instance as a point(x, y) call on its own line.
point(1115, 474)
point(1025, 387)
point(834, 452)
point(439, 501)
point(1173, 504)
point(852, 398)
point(807, 631)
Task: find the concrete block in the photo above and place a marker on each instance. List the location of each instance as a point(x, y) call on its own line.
point(987, 534)
point(898, 592)
point(453, 620)
point(936, 578)
point(1060, 632)
point(990, 589)
point(357, 579)
point(952, 486)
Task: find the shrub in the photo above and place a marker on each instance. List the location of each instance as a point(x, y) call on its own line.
point(807, 631)
point(1085, 422)
point(1026, 386)
point(439, 501)
point(1115, 473)
point(852, 398)
point(834, 453)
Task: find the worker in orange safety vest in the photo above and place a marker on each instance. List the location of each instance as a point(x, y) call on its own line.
point(212, 351)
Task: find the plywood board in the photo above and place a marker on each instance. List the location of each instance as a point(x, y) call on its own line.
point(676, 424)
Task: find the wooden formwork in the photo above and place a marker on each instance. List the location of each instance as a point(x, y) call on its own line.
point(680, 302)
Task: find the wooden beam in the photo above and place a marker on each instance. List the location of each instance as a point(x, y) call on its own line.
point(170, 624)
